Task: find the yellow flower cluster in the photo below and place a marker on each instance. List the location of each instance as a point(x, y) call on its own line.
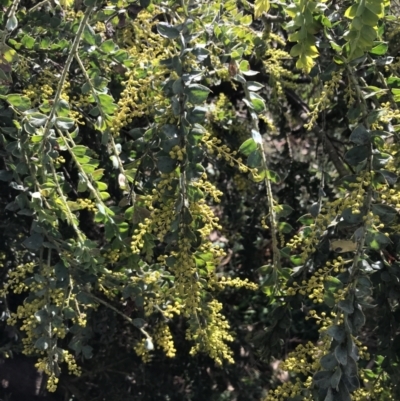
point(281, 77)
point(16, 277)
point(69, 359)
point(376, 391)
point(349, 94)
point(142, 349)
point(137, 239)
point(222, 111)
point(177, 153)
point(171, 309)
point(233, 282)
point(87, 204)
point(314, 287)
point(309, 238)
point(46, 365)
point(205, 185)
point(65, 95)
point(187, 286)
point(204, 212)
point(214, 145)
point(143, 88)
point(213, 337)
point(112, 255)
point(43, 89)
point(52, 382)
point(305, 358)
point(291, 389)
point(164, 340)
point(323, 320)
point(323, 101)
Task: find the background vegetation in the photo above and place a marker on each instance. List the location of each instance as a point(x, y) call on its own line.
point(192, 192)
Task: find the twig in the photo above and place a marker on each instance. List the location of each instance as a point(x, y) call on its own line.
point(63, 77)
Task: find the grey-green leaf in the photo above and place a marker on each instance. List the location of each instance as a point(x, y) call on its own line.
point(167, 30)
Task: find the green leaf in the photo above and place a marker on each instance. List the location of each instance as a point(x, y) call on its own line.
point(390, 177)
point(97, 174)
point(28, 41)
point(375, 6)
point(363, 286)
point(197, 93)
point(89, 35)
point(257, 103)
point(62, 108)
point(328, 361)
point(357, 320)
point(244, 66)
point(357, 154)
point(341, 353)
point(104, 195)
point(194, 194)
point(284, 227)
point(352, 218)
point(37, 119)
point(380, 49)
point(64, 123)
point(237, 54)
point(89, 168)
point(346, 305)
point(386, 213)
point(22, 103)
point(107, 103)
point(79, 150)
point(42, 343)
point(34, 242)
point(254, 159)
point(351, 367)
point(322, 379)
point(260, 7)
point(283, 211)
point(108, 46)
point(273, 176)
point(248, 146)
point(350, 383)
point(167, 30)
point(139, 214)
point(178, 87)
point(335, 379)
point(360, 135)
point(376, 240)
point(166, 164)
point(306, 219)
point(315, 209)
point(337, 332)
point(332, 284)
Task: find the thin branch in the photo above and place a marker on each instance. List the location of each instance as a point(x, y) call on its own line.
point(127, 318)
point(68, 62)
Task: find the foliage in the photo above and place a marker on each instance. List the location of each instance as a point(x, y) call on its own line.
point(145, 179)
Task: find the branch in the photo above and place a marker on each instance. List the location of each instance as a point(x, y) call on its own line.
point(63, 77)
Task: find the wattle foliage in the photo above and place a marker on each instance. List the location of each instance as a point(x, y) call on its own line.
point(199, 185)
